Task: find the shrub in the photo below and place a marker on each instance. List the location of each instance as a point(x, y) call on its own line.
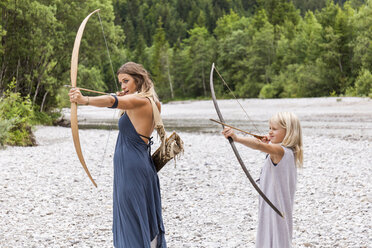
point(5, 126)
point(363, 84)
point(273, 90)
point(16, 118)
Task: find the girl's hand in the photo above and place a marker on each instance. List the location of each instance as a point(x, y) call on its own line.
point(228, 132)
point(266, 139)
point(77, 97)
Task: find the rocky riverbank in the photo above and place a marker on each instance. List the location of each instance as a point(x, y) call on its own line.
point(46, 199)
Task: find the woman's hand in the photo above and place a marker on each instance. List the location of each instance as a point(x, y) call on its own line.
point(228, 132)
point(77, 97)
point(120, 93)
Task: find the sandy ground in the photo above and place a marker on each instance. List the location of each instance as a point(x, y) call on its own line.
point(46, 199)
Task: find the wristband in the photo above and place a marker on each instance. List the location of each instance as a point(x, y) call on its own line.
point(115, 105)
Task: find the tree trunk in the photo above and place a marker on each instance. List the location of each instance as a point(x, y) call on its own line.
point(30, 84)
point(17, 80)
point(39, 82)
point(340, 64)
point(169, 79)
point(204, 87)
point(2, 76)
point(42, 104)
point(36, 92)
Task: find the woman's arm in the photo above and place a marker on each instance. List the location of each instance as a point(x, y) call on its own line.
point(124, 102)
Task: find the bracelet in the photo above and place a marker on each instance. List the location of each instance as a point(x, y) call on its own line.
point(115, 105)
point(88, 101)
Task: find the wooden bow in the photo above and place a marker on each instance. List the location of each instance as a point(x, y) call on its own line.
point(236, 150)
point(73, 115)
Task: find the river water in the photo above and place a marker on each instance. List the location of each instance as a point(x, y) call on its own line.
point(346, 117)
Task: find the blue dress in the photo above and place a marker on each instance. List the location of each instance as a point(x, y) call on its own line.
point(137, 204)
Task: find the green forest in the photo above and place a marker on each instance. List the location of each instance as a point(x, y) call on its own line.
point(262, 48)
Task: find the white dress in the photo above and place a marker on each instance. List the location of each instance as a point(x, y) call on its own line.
point(278, 182)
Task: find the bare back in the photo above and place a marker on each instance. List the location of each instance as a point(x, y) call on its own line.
point(142, 118)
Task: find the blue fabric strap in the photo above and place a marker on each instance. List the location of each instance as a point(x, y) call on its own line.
point(116, 101)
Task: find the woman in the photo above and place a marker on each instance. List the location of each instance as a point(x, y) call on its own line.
point(137, 217)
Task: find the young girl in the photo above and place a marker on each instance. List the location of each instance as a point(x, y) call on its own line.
point(283, 146)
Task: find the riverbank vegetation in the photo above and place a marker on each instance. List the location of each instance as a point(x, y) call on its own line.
point(262, 48)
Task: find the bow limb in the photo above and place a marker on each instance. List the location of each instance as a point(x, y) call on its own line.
point(73, 115)
point(236, 151)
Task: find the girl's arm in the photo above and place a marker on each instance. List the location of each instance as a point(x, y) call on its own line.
point(124, 102)
point(275, 150)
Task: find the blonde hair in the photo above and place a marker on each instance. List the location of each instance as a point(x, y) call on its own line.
point(144, 84)
point(293, 135)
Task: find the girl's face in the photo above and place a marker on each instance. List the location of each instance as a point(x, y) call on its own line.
point(128, 84)
point(276, 133)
